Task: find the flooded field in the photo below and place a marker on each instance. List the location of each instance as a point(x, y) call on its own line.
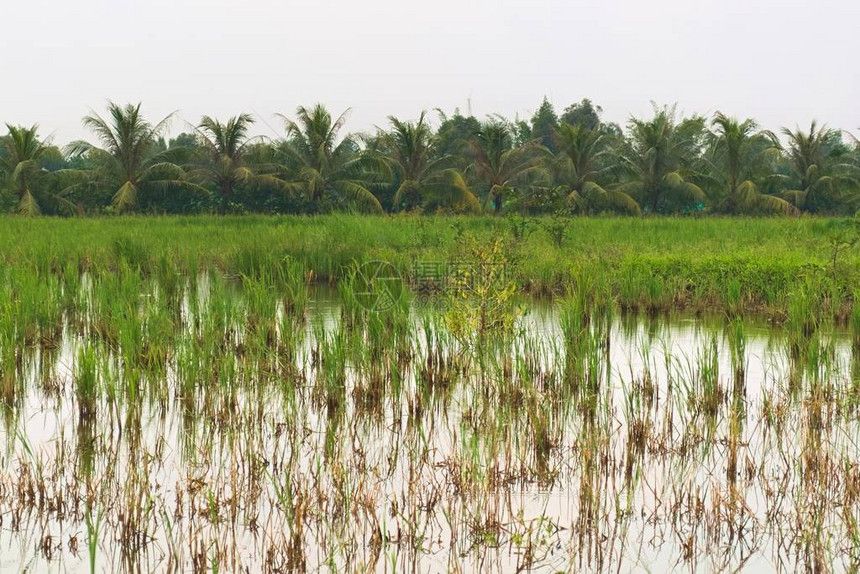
point(261, 424)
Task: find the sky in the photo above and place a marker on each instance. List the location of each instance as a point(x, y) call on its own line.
point(782, 62)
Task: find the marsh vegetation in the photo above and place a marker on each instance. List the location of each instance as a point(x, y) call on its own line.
point(215, 395)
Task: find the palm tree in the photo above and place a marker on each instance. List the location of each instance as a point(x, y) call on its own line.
point(500, 166)
point(128, 161)
point(819, 175)
point(582, 160)
point(738, 155)
point(324, 167)
point(25, 175)
point(224, 148)
point(658, 160)
point(424, 178)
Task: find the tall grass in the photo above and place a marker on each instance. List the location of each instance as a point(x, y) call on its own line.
point(650, 263)
point(187, 399)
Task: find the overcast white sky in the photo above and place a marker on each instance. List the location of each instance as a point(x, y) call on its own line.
point(783, 62)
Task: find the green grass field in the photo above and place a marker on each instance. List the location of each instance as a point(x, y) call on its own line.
point(650, 263)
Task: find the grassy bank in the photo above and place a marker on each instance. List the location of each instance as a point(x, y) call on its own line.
point(649, 263)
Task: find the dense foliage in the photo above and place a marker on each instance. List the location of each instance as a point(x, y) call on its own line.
point(561, 164)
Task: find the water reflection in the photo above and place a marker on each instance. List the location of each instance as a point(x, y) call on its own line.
point(221, 428)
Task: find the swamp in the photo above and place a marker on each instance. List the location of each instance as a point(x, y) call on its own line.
point(429, 394)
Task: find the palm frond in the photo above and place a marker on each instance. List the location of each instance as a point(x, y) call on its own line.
point(125, 197)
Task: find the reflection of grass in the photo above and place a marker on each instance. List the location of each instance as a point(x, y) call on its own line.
point(227, 420)
point(93, 527)
point(86, 382)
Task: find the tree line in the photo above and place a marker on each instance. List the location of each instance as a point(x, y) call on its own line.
point(568, 163)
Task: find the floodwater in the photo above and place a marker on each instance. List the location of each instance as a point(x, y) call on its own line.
point(650, 444)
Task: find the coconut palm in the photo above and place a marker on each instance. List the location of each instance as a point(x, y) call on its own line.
point(500, 166)
point(128, 161)
point(738, 156)
point(583, 159)
point(322, 166)
point(821, 177)
point(224, 148)
point(424, 179)
point(23, 167)
point(658, 159)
